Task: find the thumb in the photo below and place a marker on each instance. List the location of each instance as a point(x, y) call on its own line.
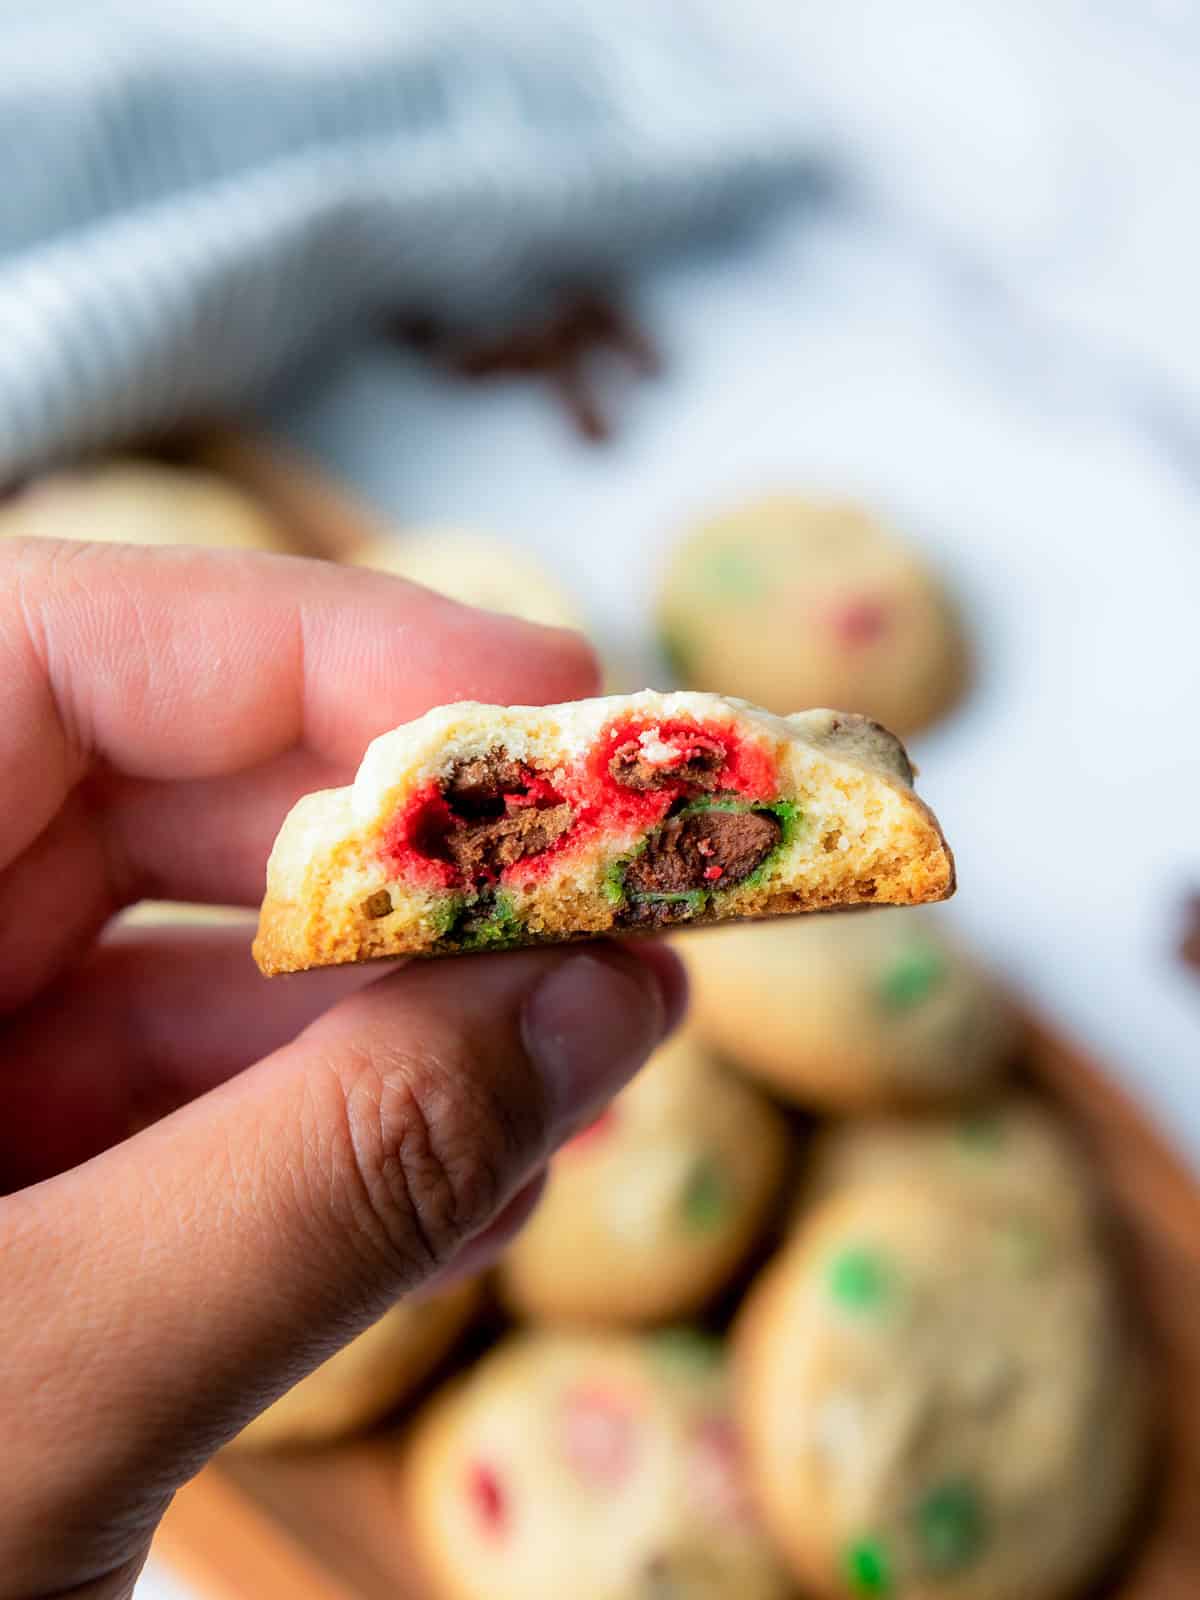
point(159, 1295)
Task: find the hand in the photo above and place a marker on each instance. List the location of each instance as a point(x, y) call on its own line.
point(339, 1138)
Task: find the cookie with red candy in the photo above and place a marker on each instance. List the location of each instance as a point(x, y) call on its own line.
point(650, 1211)
point(792, 601)
point(604, 1467)
point(940, 1395)
point(479, 827)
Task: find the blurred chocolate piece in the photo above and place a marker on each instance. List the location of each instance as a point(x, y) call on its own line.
point(556, 347)
point(1189, 944)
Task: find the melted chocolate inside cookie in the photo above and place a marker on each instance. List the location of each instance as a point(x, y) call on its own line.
point(696, 850)
point(476, 786)
point(498, 812)
point(484, 849)
point(702, 848)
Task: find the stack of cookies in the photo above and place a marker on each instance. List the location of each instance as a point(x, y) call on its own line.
point(823, 1304)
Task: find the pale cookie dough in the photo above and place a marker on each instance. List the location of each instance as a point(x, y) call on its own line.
point(934, 1410)
point(1013, 1153)
point(480, 827)
point(370, 1376)
point(852, 1012)
point(792, 601)
point(475, 569)
point(140, 502)
point(595, 1467)
point(650, 1211)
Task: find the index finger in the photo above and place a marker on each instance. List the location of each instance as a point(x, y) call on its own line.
point(177, 664)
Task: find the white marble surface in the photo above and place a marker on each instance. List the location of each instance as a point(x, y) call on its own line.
point(989, 329)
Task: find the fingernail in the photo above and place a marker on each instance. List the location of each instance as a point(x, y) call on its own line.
point(670, 973)
point(589, 1025)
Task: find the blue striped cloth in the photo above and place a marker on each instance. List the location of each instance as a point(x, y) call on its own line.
point(195, 198)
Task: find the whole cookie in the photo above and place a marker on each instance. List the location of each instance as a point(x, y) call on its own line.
point(603, 1467)
point(932, 1411)
point(793, 602)
point(1014, 1153)
point(650, 1210)
point(373, 1373)
point(140, 502)
point(476, 569)
point(851, 1011)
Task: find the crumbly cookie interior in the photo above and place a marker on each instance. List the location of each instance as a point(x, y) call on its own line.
point(480, 827)
point(661, 817)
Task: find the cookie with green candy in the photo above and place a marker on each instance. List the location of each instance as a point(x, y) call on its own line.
point(595, 1466)
point(852, 1012)
point(928, 1418)
point(1013, 1153)
point(792, 601)
point(650, 1211)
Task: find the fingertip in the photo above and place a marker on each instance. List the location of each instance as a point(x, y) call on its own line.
point(482, 1251)
point(535, 663)
point(580, 660)
point(567, 656)
point(669, 973)
point(589, 1025)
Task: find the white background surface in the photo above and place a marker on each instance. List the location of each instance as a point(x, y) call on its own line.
point(988, 329)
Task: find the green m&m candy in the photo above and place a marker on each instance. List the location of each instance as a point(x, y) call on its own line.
point(706, 1197)
point(686, 1350)
point(867, 1568)
point(859, 1279)
point(732, 572)
point(1024, 1246)
point(949, 1526)
point(979, 1133)
point(912, 978)
point(677, 650)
